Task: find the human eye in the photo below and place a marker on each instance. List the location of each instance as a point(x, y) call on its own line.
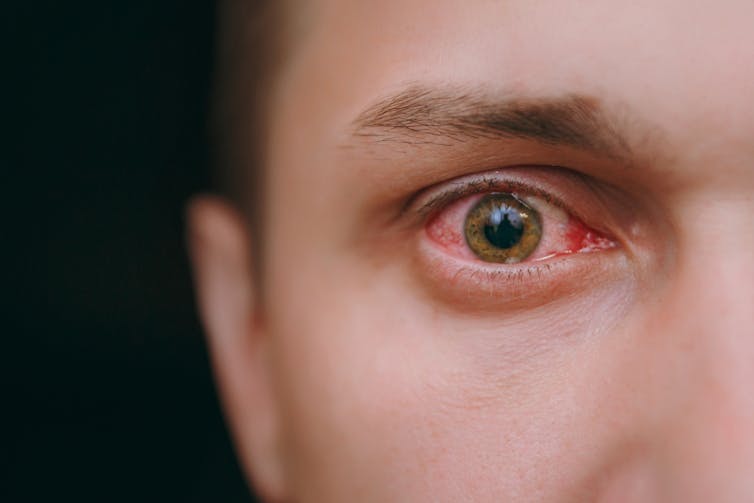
point(522, 235)
point(512, 224)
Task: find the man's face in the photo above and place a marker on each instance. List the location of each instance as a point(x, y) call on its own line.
point(612, 363)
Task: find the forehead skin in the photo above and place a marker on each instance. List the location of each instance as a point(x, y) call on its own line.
point(631, 54)
point(381, 400)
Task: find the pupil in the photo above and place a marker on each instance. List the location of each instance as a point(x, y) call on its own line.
point(504, 228)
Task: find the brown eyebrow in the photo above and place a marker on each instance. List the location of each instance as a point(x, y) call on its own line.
point(426, 115)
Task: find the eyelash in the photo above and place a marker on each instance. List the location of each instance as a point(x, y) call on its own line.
point(488, 184)
point(480, 186)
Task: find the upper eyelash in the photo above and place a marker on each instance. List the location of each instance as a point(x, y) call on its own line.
point(461, 189)
point(421, 207)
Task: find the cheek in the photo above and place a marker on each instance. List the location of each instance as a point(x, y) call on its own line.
point(386, 398)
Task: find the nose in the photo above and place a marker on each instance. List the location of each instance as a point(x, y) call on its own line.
point(705, 441)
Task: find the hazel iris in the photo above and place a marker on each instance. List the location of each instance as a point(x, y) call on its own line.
point(502, 228)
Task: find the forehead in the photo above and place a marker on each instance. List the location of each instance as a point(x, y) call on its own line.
point(527, 39)
point(684, 67)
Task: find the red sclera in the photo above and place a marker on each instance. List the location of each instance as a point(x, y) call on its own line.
point(560, 236)
point(581, 238)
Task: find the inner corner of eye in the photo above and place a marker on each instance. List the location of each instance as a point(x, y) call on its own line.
point(581, 238)
point(575, 236)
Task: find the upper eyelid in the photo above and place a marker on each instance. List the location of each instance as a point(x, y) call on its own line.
point(425, 205)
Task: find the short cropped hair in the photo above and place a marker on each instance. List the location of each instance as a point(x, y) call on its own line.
point(249, 51)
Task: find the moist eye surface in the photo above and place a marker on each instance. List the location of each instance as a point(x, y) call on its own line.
point(502, 228)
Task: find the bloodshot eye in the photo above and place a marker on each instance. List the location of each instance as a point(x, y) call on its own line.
point(511, 227)
point(502, 228)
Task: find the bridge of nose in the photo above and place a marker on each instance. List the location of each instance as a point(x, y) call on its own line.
point(698, 347)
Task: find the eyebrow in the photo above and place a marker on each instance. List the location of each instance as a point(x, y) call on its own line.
point(420, 115)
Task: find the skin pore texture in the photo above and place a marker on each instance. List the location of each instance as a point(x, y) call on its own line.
point(369, 361)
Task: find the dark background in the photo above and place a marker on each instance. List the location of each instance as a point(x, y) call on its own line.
point(107, 390)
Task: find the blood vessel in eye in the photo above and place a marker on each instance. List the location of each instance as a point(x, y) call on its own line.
point(581, 238)
point(500, 230)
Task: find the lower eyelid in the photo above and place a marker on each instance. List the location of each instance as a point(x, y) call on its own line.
point(478, 286)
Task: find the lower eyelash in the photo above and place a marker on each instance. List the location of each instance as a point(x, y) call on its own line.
point(479, 287)
point(490, 282)
point(511, 276)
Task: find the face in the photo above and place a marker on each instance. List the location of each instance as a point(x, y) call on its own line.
point(507, 256)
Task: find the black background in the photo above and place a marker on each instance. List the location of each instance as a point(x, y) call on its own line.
point(107, 389)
